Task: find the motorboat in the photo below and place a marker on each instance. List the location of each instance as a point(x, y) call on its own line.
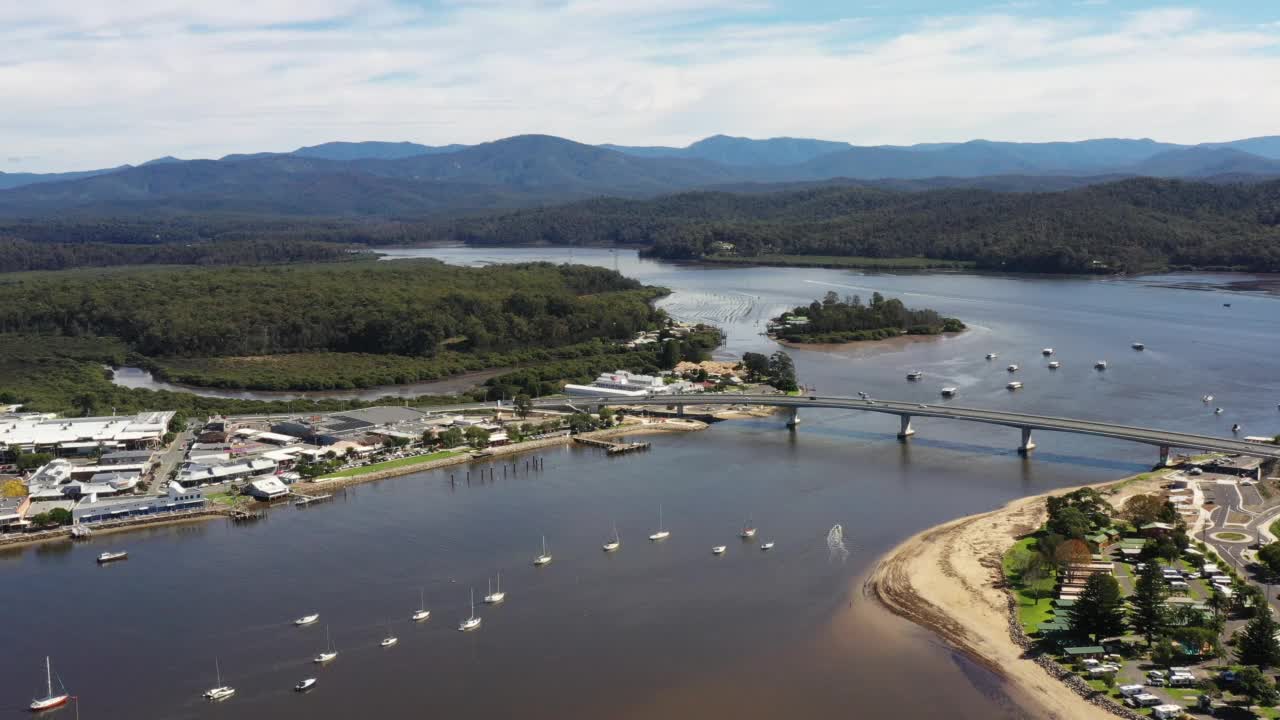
point(949, 392)
point(992, 356)
point(662, 533)
point(1012, 368)
point(473, 621)
point(107, 557)
point(1054, 365)
point(1217, 411)
point(1015, 385)
point(388, 641)
point(748, 531)
point(329, 653)
point(493, 598)
point(51, 699)
point(613, 544)
point(1206, 399)
point(718, 550)
point(1138, 346)
point(1046, 352)
point(545, 557)
point(306, 620)
point(305, 685)
point(219, 691)
point(915, 375)
point(767, 546)
point(1100, 365)
point(422, 613)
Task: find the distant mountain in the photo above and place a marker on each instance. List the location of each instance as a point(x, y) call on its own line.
point(13, 180)
point(1197, 162)
point(728, 150)
point(1267, 147)
point(371, 150)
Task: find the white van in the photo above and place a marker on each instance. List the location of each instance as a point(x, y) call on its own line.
point(1167, 712)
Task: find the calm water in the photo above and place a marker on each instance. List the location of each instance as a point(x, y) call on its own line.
point(654, 629)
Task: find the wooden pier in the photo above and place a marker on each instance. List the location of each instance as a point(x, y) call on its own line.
point(305, 500)
point(610, 447)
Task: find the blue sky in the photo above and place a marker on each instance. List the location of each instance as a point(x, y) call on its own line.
point(90, 84)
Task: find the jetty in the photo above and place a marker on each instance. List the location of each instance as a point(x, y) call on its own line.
point(303, 500)
point(610, 447)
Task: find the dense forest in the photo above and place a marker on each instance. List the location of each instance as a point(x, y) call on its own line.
point(835, 321)
point(409, 307)
point(1132, 225)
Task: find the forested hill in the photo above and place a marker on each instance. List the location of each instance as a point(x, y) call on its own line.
point(417, 308)
point(1131, 225)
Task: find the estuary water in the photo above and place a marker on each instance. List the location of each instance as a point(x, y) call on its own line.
point(654, 630)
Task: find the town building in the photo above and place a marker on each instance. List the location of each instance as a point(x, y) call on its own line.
point(267, 488)
point(175, 499)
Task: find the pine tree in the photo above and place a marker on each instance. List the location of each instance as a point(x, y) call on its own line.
point(1257, 644)
point(1148, 615)
point(1099, 611)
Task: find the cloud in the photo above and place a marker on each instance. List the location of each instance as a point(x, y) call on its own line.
point(90, 84)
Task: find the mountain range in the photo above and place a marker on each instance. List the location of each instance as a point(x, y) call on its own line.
point(409, 180)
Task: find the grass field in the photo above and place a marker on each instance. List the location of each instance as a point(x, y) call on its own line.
point(401, 462)
point(1035, 601)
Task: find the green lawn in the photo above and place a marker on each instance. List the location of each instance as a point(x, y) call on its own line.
point(228, 500)
point(1235, 535)
point(1035, 602)
point(401, 462)
point(1275, 528)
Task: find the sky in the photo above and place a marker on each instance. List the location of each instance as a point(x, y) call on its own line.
point(99, 83)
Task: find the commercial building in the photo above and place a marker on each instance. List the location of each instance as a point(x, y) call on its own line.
point(175, 499)
point(268, 488)
point(81, 436)
point(195, 474)
point(620, 383)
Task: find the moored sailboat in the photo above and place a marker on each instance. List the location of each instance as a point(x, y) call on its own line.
point(219, 691)
point(662, 533)
point(473, 621)
point(329, 653)
point(493, 598)
point(422, 613)
point(50, 700)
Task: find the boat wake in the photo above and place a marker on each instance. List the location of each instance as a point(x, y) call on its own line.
point(835, 543)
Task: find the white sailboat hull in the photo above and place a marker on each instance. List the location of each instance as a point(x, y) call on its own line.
point(660, 535)
point(219, 693)
point(420, 615)
point(49, 703)
point(305, 685)
point(611, 546)
point(469, 624)
point(306, 620)
point(324, 657)
point(495, 598)
point(388, 642)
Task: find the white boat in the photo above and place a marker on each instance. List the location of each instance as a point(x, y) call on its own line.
point(1015, 385)
point(50, 700)
point(493, 598)
point(1206, 399)
point(1054, 365)
point(1217, 411)
point(422, 612)
point(545, 557)
point(718, 550)
point(662, 533)
point(748, 530)
point(388, 641)
point(306, 619)
point(1012, 368)
point(1100, 365)
point(1139, 346)
point(1046, 352)
point(328, 653)
point(305, 685)
point(219, 691)
point(949, 392)
point(767, 546)
point(107, 557)
point(472, 622)
point(613, 544)
point(992, 356)
point(915, 375)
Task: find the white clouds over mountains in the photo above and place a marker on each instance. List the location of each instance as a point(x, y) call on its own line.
point(89, 84)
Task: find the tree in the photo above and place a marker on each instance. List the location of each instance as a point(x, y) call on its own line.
point(581, 422)
point(31, 461)
point(451, 437)
point(1148, 614)
point(1099, 611)
point(607, 415)
point(756, 364)
point(1218, 603)
point(1270, 557)
point(60, 516)
point(1142, 509)
point(1087, 501)
point(782, 372)
point(670, 354)
point(1071, 552)
point(84, 402)
point(1033, 571)
point(1256, 644)
point(477, 437)
point(1251, 683)
point(1163, 652)
point(524, 404)
point(1071, 522)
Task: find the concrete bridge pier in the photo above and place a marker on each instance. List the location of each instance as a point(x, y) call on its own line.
point(1164, 456)
point(793, 418)
point(1027, 444)
point(680, 410)
point(905, 430)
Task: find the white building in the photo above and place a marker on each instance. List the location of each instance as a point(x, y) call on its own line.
point(82, 436)
point(196, 475)
point(176, 499)
point(621, 383)
point(267, 488)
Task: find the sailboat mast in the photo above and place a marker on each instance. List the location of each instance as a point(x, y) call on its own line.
point(48, 676)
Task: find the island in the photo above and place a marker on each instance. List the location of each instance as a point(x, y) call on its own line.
point(834, 320)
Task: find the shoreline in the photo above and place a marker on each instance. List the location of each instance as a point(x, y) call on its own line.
point(892, 344)
point(211, 511)
point(948, 579)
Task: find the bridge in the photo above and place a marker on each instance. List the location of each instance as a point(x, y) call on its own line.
point(906, 411)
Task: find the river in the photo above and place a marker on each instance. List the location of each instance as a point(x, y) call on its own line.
point(655, 629)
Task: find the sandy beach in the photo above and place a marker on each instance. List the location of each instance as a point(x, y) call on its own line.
point(948, 579)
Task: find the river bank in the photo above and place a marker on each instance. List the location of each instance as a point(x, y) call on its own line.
point(949, 580)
